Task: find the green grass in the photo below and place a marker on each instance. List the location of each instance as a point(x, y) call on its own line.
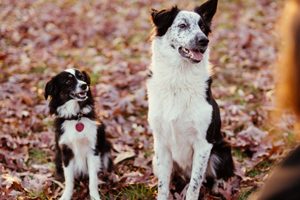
point(95, 77)
point(254, 172)
point(39, 69)
point(48, 123)
point(290, 138)
point(148, 153)
point(36, 195)
point(244, 195)
point(136, 192)
point(262, 167)
point(239, 154)
point(38, 156)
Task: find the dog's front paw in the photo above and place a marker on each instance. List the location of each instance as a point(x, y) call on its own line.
point(163, 196)
point(191, 195)
point(95, 196)
point(65, 197)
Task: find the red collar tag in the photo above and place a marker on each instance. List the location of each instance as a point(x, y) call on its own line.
point(79, 127)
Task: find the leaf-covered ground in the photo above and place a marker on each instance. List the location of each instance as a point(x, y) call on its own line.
point(111, 40)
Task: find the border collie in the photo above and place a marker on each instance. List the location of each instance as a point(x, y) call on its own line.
point(81, 146)
point(183, 114)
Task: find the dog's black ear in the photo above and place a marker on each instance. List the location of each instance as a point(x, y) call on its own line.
point(207, 10)
point(163, 19)
point(86, 77)
point(50, 88)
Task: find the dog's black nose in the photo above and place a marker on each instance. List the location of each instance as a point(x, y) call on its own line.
point(84, 86)
point(203, 41)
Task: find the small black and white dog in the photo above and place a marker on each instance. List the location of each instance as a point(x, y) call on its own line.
point(183, 114)
point(81, 146)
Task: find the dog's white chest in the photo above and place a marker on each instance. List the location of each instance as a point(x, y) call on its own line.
point(179, 117)
point(82, 142)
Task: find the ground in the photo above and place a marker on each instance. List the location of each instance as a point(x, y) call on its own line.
point(111, 41)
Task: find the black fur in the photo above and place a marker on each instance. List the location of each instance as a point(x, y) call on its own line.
point(204, 27)
point(207, 11)
point(225, 168)
point(58, 153)
point(102, 145)
point(67, 154)
point(163, 19)
point(59, 88)
point(214, 130)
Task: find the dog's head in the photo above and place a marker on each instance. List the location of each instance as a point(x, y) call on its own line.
point(70, 84)
point(185, 32)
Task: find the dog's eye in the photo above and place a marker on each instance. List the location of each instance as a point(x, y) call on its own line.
point(80, 76)
point(183, 26)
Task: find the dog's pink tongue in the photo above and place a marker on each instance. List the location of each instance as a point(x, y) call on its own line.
point(196, 55)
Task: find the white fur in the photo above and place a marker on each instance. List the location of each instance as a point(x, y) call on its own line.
point(179, 114)
point(69, 109)
point(86, 110)
point(71, 71)
point(82, 144)
point(69, 181)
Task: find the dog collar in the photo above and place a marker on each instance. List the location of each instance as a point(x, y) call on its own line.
point(74, 117)
point(79, 126)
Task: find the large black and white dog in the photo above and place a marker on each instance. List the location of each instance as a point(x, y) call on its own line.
point(183, 115)
point(81, 146)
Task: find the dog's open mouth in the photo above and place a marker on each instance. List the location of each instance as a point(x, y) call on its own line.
point(81, 96)
point(194, 55)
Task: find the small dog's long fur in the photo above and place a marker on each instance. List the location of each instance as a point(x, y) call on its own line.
point(183, 114)
point(78, 152)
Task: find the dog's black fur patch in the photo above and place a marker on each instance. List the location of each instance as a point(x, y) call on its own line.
point(225, 166)
point(58, 153)
point(163, 19)
point(207, 11)
point(204, 27)
point(214, 130)
point(67, 154)
point(102, 145)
